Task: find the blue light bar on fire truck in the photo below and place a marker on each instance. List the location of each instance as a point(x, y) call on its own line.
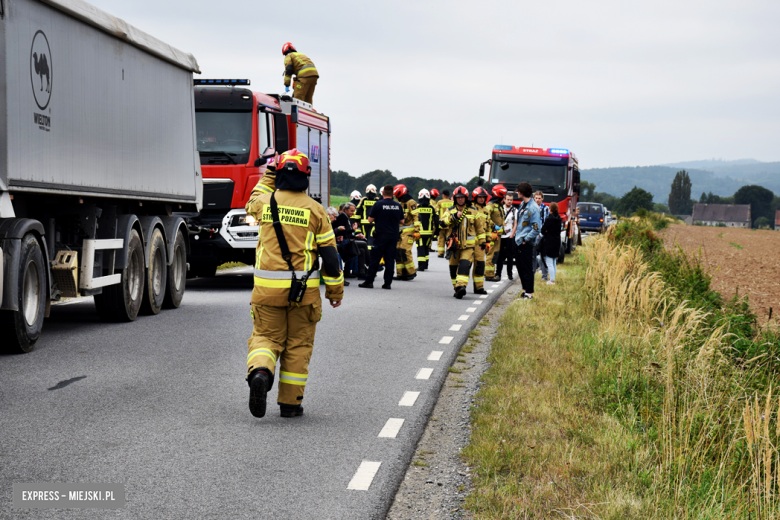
point(229, 82)
point(559, 151)
point(502, 147)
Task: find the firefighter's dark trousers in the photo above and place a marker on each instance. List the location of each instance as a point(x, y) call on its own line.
point(478, 274)
point(285, 334)
point(424, 251)
point(303, 89)
point(460, 266)
point(404, 261)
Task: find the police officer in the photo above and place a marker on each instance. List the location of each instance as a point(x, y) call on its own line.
point(479, 199)
point(306, 75)
point(444, 204)
point(285, 319)
point(426, 216)
point(386, 215)
point(463, 226)
point(495, 228)
point(410, 233)
point(528, 227)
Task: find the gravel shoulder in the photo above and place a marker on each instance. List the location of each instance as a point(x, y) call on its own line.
point(437, 480)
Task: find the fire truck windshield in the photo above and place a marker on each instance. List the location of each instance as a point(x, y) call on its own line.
point(223, 137)
point(550, 178)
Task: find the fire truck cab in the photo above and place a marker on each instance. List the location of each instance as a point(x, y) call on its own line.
point(237, 131)
point(554, 171)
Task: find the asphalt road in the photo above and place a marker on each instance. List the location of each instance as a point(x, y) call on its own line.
point(160, 404)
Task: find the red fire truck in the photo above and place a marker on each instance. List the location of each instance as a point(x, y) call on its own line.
point(237, 130)
point(554, 171)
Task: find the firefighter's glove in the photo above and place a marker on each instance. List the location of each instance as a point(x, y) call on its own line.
point(287, 89)
point(483, 246)
point(493, 237)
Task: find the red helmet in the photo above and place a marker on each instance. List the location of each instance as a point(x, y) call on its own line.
point(292, 160)
point(399, 190)
point(434, 193)
point(287, 47)
point(479, 191)
point(460, 191)
point(499, 191)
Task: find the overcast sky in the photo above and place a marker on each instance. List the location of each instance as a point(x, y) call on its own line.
point(426, 88)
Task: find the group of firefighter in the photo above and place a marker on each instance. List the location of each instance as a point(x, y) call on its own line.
point(467, 229)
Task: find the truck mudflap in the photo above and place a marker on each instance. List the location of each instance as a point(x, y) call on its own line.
point(11, 232)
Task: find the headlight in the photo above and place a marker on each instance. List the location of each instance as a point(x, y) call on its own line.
point(243, 220)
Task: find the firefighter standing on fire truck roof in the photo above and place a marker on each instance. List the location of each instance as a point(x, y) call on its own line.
point(494, 229)
point(479, 198)
point(444, 204)
point(306, 75)
point(426, 216)
point(462, 226)
point(410, 232)
point(283, 328)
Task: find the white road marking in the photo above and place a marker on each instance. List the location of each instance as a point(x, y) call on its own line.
point(478, 302)
point(496, 285)
point(435, 355)
point(463, 317)
point(490, 291)
point(456, 328)
point(445, 340)
point(364, 475)
point(424, 373)
point(408, 399)
point(391, 429)
point(471, 309)
point(484, 296)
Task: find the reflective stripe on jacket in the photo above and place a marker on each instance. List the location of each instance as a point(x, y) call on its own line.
point(299, 65)
point(426, 215)
point(472, 229)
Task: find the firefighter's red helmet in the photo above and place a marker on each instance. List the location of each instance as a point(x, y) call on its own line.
point(499, 191)
point(434, 193)
point(399, 190)
point(287, 47)
point(294, 160)
point(479, 191)
point(460, 191)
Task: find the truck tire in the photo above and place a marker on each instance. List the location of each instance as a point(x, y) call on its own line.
point(177, 274)
point(25, 325)
point(156, 274)
point(121, 302)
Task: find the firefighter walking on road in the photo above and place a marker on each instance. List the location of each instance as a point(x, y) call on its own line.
point(444, 204)
point(426, 216)
point(306, 75)
point(479, 200)
point(295, 234)
point(410, 232)
point(463, 226)
point(495, 228)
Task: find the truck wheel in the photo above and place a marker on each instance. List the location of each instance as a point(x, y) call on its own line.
point(121, 302)
point(177, 274)
point(156, 274)
point(26, 324)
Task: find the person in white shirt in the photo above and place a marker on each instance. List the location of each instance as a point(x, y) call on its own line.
point(507, 252)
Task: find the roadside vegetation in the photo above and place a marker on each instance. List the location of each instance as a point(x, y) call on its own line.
point(628, 390)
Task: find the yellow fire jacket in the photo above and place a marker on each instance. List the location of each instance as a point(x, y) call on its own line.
point(299, 65)
point(471, 231)
point(267, 184)
point(410, 224)
point(443, 205)
point(309, 236)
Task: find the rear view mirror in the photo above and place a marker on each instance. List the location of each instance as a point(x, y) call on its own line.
point(481, 170)
point(260, 161)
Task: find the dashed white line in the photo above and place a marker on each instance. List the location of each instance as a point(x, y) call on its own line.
point(484, 296)
point(490, 291)
point(364, 475)
point(456, 328)
point(478, 302)
point(424, 373)
point(445, 340)
point(409, 399)
point(435, 355)
point(464, 317)
point(471, 309)
point(391, 429)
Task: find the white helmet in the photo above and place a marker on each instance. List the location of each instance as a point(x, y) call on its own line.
point(371, 189)
point(424, 194)
point(354, 195)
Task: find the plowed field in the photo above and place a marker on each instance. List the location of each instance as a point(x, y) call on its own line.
point(738, 259)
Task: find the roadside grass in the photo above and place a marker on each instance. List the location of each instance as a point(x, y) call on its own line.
point(628, 390)
point(337, 200)
point(230, 265)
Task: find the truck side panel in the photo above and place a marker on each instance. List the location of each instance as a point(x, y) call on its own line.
point(112, 121)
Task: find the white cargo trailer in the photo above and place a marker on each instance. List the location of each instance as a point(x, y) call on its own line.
point(97, 158)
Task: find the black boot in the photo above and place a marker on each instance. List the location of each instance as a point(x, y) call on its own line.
point(480, 291)
point(460, 292)
point(290, 410)
point(259, 384)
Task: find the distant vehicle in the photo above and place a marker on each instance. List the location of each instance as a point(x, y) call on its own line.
point(608, 220)
point(554, 171)
point(592, 216)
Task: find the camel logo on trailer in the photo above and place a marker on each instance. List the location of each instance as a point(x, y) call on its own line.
point(41, 77)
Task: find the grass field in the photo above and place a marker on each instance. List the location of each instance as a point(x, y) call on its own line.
point(337, 200)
